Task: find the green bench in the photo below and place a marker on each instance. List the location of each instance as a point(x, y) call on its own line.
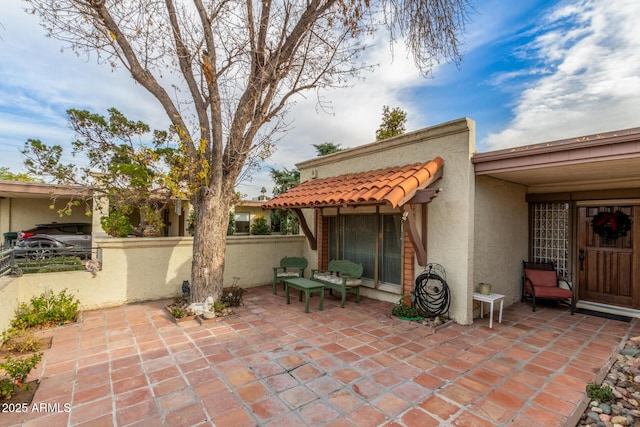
point(343, 276)
point(289, 267)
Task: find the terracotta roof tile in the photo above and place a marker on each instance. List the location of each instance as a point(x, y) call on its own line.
point(394, 185)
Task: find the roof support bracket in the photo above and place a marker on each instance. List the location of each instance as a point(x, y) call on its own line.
point(418, 241)
point(425, 196)
point(306, 230)
point(414, 236)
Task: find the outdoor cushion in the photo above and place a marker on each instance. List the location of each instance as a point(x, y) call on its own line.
point(288, 274)
point(542, 278)
point(540, 281)
point(332, 278)
point(289, 267)
point(549, 292)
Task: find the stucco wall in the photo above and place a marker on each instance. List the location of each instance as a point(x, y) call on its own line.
point(21, 214)
point(500, 236)
point(147, 269)
point(450, 215)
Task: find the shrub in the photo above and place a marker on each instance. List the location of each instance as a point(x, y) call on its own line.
point(231, 226)
point(402, 310)
point(16, 371)
point(219, 306)
point(601, 393)
point(46, 310)
point(178, 312)
point(260, 226)
point(117, 224)
point(7, 387)
point(19, 340)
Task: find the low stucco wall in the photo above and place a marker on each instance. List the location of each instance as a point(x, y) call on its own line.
point(147, 269)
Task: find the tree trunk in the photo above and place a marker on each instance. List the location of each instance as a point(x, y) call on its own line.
point(209, 242)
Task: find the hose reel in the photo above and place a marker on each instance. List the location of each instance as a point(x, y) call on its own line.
point(431, 292)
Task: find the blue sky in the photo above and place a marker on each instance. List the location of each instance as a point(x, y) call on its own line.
point(533, 71)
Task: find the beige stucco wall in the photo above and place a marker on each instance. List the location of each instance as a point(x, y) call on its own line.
point(9, 300)
point(138, 269)
point(252, 258)
point(501, 236)
point(450, 215)
point(21, 214)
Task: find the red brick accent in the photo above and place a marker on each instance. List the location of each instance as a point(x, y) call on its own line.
point(323, 240)
point(408, 268)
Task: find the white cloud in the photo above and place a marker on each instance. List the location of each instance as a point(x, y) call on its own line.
point(594, 85)
point(39, 83)
point(583, 77)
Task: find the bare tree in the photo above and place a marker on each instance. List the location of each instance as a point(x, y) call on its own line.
point(225, 72)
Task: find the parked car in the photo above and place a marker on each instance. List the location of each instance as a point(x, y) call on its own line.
point(47, 240)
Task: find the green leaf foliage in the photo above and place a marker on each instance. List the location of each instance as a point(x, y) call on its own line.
point(7, 175)
point(393, 122)
point(601, 393)
point(46, 309)
point(117, 224)
point(327, 148)
point(125, 162)
point(260, 226)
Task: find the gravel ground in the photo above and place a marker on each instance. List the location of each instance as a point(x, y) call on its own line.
point(624, 382)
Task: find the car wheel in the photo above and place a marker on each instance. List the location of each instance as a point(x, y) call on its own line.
point(40, 254)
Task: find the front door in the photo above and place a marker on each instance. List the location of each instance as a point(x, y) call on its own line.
point(609, 268)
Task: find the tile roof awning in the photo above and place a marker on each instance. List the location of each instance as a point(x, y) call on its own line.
point(394, 185)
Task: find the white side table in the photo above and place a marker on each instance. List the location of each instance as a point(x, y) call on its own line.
point(491, 298)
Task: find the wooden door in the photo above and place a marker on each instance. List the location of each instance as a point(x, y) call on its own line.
point(608, 269)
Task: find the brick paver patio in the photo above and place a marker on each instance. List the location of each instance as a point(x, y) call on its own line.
point(273, 365)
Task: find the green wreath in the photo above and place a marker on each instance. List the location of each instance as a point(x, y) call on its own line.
point(610, 226)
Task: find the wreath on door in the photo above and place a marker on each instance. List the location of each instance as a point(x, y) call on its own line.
point(610, 226)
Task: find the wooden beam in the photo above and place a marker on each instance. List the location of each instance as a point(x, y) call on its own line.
point(425, 196)
point(414, 236)
point(425, 224)
point(306, 230)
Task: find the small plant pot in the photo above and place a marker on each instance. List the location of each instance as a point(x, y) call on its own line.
point(484, 288)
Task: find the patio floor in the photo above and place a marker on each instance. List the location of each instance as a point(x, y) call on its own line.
point(273, 365)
